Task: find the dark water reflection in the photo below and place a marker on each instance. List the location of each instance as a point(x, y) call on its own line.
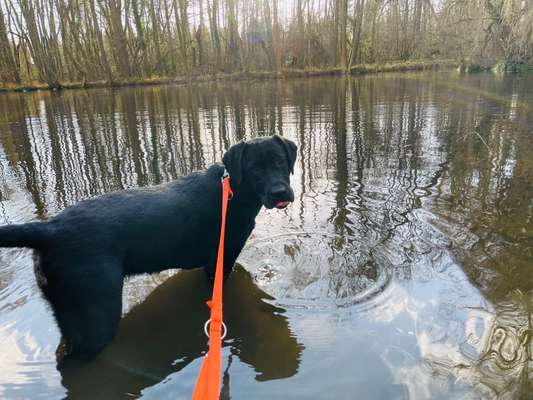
point(403, 270)
point(161, 337)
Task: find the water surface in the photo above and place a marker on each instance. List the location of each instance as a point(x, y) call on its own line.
point(403, 270)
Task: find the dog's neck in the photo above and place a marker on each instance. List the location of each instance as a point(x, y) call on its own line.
point(245, 200)
point(245, 203)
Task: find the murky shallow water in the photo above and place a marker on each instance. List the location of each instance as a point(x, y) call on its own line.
point(404, 269)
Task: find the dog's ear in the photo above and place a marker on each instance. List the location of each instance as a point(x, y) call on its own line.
point(232, 160)
point(290, 151)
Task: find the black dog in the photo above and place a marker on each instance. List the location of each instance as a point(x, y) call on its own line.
point(83, 254)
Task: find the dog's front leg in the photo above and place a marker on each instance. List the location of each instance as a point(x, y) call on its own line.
point(229, 259)
point(231, 252)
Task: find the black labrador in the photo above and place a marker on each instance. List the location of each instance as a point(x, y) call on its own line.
point(83, 254)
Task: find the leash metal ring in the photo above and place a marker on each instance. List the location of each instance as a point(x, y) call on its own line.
point(224, 330)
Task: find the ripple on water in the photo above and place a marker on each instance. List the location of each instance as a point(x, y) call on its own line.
point(17, 284)
point(317, 270)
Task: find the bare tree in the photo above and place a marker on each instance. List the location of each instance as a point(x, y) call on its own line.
point(55, 41)
point(9, 71)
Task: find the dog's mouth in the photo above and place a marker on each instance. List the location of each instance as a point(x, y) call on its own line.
point(280, 205)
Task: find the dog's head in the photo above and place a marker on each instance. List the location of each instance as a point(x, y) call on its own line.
point(263, 165)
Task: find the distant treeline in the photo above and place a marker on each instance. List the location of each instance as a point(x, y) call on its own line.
point(54, 41)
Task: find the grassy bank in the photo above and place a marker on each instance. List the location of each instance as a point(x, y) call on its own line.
point(239, 76)
point(402, 66)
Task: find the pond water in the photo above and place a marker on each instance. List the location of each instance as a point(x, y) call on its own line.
point(403, 270)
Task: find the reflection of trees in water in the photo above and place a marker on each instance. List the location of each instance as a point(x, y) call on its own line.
point(88, 143)
point(486, 209)
point(19, 136)
point(388, 156)
point(367, 158)
point(378, 147)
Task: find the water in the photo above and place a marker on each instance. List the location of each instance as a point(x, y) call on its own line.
point(404, 269)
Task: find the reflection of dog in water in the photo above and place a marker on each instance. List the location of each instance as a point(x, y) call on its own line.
point(164, 334)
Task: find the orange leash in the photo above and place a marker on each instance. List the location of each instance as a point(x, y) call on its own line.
point(208, 382)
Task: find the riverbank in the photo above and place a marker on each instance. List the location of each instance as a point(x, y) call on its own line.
point(289, 73)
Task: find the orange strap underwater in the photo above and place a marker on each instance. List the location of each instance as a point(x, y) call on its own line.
point(208, 382)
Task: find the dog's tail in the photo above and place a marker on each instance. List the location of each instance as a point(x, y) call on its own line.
point(32, 235)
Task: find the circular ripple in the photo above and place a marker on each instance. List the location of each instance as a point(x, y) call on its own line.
point(316, 269)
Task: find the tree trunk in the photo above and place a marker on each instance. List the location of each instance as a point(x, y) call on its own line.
point(117, 38)
point(103, 59)
point(277, 37)
point(342, 26)
point(234, 62)
point(38, 46)
point(358, 13)
point(8, 67)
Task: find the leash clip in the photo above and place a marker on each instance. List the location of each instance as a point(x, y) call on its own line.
point(225, 175)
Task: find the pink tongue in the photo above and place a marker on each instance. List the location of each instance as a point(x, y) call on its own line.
point(282, 204)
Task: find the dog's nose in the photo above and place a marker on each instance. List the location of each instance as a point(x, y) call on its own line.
point(278, 192)
point(280, 196)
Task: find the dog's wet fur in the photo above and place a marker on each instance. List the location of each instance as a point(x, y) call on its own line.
point(83, 254)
